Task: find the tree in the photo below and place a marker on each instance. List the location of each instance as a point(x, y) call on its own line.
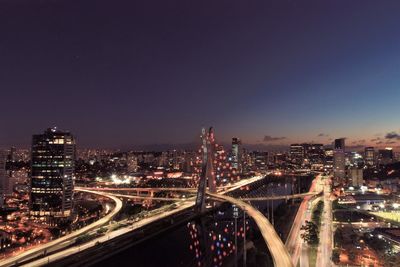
point(102, 230)
point(336, 256)
point(338, 237)
point(310, 234)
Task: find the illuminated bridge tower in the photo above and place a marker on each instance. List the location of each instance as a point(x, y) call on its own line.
point(207, 176)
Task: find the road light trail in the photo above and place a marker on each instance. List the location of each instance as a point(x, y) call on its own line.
point(293, 241)
point(148, 198)
point(188, 203)
point(47, 247)
point(325, 242)
point(78, 248)
point(280, 197)
point(138, 189)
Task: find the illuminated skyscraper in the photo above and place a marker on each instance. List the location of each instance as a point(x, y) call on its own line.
point(356, 177)
point(369, 156)
point(339, 159)
point(51, 183)
point(297, 153)
point(315, 153)
point(3, 178)
point(236, 155)
point(132, 163)
point(260, 161)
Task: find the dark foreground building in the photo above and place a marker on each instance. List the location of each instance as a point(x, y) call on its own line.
point(51, 183)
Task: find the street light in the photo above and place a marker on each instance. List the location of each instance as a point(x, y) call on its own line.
point(235, 216)
point(244, 239)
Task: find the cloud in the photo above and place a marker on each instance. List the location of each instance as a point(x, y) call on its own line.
point(392, 135)
point(323, 135)
point(359, 142)
point(269, 138)
point(376, 139)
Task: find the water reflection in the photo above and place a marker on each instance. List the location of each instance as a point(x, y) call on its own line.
point(213, 240)
point(210, 239)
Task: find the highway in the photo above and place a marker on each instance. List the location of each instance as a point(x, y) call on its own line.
point(154, 189)
point(55, 244)
point(227, 188)
point(147, 198)
point(325, 238)
point(77, 248)
point(279, 253)
point(304, 259)
point(294, 241)
point(139, 189)
point(280, 197)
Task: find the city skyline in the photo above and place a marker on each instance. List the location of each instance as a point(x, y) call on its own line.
point(134, 74)
point(269, 143)
point(200, 133)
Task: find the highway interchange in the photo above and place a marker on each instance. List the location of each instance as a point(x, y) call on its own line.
point(283, 256)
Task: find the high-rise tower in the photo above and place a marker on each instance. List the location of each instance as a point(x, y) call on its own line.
point(236, 155)
point(3, 178)
point(339, 159)
point(369, 156)
point(51, 180)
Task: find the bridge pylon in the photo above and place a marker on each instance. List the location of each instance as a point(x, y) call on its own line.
point(207, 176)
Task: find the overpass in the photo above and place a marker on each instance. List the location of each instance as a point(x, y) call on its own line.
point(189, 190)
point(62, 242)
point(278, 251)
point(147, 198)
point(280, 197)
point(152, 189)
point(139, 189)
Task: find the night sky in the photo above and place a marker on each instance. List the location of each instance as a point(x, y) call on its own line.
point(129, 73)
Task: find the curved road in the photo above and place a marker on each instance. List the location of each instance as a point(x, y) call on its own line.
point(60, 242)
point(52, 244)
point(279, 253)
point(293, 241)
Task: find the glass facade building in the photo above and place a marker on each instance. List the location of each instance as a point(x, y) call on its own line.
point(52, 174)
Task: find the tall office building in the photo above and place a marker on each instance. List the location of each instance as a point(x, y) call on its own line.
point(236, 155)
point(315, 153)
point(3, 178)
point(339, 159)
point(339, 144)
point(328, 158)
point(11, 155)
point(385, 156)
point(369, 156)
point(297, 153)
point(356, 177)
point(260, 161)
point(132, 163)
point(51, 181)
